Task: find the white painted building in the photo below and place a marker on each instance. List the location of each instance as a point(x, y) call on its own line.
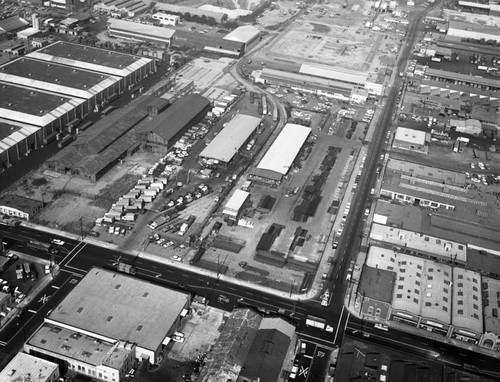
point(24, 367)
point(167, 19)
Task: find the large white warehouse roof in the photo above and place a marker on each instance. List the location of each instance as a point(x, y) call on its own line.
point(236, 202)
point(282, 153)
point(227, 143)
point(337, 74)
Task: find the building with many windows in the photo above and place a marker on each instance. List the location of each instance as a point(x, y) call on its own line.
point(99, 335)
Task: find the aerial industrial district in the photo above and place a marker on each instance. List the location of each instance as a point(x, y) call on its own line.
point(249, 191)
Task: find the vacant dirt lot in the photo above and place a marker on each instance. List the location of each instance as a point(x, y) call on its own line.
point(68, 199)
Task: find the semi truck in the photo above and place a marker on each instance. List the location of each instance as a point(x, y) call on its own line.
point(318, 322)
point(125, 268)
point(33, 244)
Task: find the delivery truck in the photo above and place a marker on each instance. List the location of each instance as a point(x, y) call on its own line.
point(125, 268)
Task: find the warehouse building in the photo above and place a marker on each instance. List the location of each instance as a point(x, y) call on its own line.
point(24, 367)
point(133, 318)
point(231, 139)
point(122, 8)
point(219, 17)
point(100, 147)
point(462, 29)
point(306, 83)
point(234, 205)
point(19, 206)
point(94, 88)
point(160, 133)
point(82, 352)
point(209, 43)
point(479, 82)
point(422, 293)
point(260, 357)
point(11, 25)
point(462, 93)
point(131, 69)
point(30, 118)
point(139, 32)
point(335, 74)
point(246, 34)
point(412, 140)
point(280, 156)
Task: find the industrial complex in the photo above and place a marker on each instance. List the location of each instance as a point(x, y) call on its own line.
point(276, 192)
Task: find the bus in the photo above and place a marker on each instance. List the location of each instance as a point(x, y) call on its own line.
point(107, 111)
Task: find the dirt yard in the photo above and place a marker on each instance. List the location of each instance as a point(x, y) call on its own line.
point(68, 199)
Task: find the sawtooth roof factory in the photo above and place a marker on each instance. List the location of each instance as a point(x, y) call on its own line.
point(149, 123)
point(54, 88)
point(95, 333)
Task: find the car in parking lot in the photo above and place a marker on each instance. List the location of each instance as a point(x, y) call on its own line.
point(481, 165)
point(177, 258)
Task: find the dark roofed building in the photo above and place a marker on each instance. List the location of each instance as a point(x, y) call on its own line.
point(376, 287)
point(160, 133)
point(13, 24)
point(18, 206)
point(208, 42)
point(268, 351)
point(250, 348)
point(103, 145)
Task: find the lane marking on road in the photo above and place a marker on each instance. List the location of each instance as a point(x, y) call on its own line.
point(32, 311)
point(74, 255)
point(54, 286)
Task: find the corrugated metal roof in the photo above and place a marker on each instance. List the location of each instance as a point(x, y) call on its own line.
point(462, 77)
point(337, 74)
point(177, 116)
point(227, 143)
point(148, 31)
point(280, 156)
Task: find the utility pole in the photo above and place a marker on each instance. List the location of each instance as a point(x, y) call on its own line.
point(81, 227)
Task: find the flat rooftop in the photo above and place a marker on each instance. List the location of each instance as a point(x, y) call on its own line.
point(436, 174)
point(90, 58)
point(8, 128)
point(419, 242)
point(32, 106)
point(25, 367)
point(131, 309)
point(68, 343)
point(421, 286)
point(491, 306)
point(377, 283)
point(467, 306)
point(38, 74)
